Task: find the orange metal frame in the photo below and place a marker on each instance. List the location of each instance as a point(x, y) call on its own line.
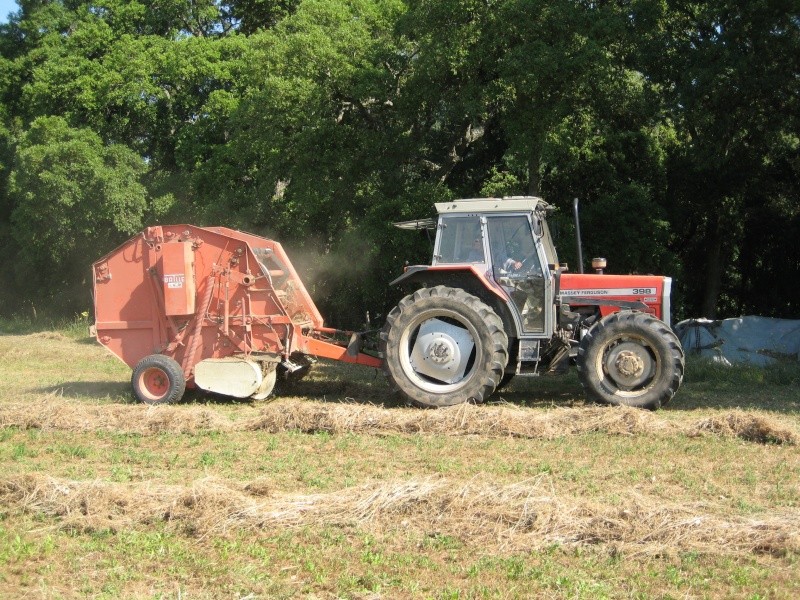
point(239, 292)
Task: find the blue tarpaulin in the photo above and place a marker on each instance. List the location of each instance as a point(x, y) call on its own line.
point(754, 340)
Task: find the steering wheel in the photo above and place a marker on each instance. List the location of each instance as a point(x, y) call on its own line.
point(527, 267)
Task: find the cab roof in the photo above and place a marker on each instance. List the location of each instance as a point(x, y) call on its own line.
point(484, 205)
point(480, 205)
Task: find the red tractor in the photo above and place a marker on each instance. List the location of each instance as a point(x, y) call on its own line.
point(495, 303)
point(225, 311)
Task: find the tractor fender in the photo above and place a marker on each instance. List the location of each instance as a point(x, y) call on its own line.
point(467, 278)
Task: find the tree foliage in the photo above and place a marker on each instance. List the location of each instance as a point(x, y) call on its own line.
point(69, 192)
point(319, 122)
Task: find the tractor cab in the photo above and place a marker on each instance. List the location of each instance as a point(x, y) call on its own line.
point(507, 242)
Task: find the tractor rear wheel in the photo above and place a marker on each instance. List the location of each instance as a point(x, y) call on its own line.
point(443, 346)
point(631, 358)
point(158, 379)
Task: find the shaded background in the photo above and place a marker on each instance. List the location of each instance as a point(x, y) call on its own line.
point(319, 122)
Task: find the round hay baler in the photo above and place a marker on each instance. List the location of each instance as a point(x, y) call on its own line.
point(210, 307)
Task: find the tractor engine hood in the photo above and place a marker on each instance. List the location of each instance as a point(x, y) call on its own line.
point(651, 290)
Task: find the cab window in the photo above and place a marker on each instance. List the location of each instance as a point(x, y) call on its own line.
point(460, 241)
point(512, 245)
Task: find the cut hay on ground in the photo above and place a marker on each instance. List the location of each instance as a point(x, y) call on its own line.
point(466, 419)
point(510, 518)
point(64, 415)
point(748, 426)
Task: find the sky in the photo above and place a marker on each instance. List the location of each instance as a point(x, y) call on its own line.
point(7, 6)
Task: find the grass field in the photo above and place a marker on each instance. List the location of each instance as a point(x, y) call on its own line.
point(335, 490)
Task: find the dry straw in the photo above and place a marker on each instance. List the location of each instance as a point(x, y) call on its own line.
point(466, 419)
point(64, 415)
point(748, 426)
point(496, 518)
point(308, 416)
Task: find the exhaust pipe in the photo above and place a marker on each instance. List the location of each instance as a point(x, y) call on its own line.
point(578, 235)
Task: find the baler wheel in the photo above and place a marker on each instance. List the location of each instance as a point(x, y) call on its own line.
point(631, 358)
point(158, 379)
point(443, 346)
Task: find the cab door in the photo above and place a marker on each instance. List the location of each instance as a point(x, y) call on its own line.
point(517, 258)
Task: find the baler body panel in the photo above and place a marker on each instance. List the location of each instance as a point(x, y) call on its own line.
point(126, 317)
point(177, 281)
point(196, 293)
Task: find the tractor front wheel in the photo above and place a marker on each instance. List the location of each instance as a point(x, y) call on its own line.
point(158, 379)
point(631, 358)
point(443, 346)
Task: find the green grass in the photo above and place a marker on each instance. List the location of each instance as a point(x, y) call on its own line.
point(780, 373)
point(76, 327)
point(45, 555)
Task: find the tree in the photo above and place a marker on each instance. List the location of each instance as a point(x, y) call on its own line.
point(73, 196)
point(730, 82)
point(310, 156)
point(319, 122)
point(528, 96)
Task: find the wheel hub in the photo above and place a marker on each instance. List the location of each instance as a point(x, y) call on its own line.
point(154, 383)
point(441, 351)
point(629, 364)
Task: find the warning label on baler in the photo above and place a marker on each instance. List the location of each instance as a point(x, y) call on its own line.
point(174, 281)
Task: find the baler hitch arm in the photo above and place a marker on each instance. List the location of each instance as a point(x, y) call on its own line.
point(322, 342)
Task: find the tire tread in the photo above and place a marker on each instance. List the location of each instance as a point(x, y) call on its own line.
point(674, 359)
point(497, 344)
